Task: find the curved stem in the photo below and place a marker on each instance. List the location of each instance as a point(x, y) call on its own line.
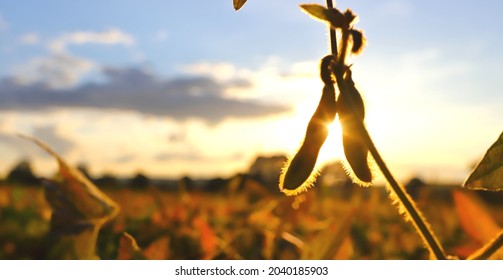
point(411, 209)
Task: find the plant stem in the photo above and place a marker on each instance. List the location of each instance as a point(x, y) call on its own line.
point(489, 249)
point(333, 38)
point(410, 208)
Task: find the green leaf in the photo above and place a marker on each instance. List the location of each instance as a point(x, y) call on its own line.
point(238, 4)
point(488, 175)
point(332, 16)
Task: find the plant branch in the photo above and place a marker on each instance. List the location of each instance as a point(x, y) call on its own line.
point(333, 38)
point(489, 249)
point(411, 209)
point(409, 206)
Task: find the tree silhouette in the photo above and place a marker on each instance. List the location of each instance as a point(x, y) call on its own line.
point(22, 174)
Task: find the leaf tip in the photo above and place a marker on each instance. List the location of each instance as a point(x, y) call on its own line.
point(238, 4)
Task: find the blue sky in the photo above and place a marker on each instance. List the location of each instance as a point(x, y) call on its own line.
point(175, 88)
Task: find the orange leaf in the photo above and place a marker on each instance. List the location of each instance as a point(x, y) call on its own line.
point(474, 217)
point(158, 250)
point(208, 238)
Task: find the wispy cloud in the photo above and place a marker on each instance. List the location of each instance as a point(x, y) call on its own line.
point(3, 23)
point(60, 68)
point(29, 38)
point(111, 36)
point(49, 134)
point(161, 35)
point(221, 71)
point(55, 71)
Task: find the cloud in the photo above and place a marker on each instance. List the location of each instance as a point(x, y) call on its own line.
point(161, 35)
point(60, 68)
point(48, 134)
point(111, 36)
point(29, 39)
point(124, 158)
point(131, 89)
point(3, 24)
point(222, 71)
point(172, 156)
point(56, 71)
point(14, 144)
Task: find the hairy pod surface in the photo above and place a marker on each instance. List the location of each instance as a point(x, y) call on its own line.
point(299, 174)
point(351, 118)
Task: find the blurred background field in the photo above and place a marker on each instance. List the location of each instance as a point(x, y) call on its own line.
point(245, 217)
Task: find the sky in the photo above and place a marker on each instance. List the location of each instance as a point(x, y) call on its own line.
point(193, 88)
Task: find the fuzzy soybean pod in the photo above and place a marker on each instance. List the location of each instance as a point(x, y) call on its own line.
point(351, 118)
point(299, 172)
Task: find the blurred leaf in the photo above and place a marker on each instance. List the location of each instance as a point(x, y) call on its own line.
point(488, 175)
point(128, 248)
point(238, 4)
point(73, 246)
point(208, 238)
point(345, 251)
point(467, 248)
point(332, 16)
point(158, 250)
point(330, 241)
point(85, 197)
point(79, 211)
point(474, 217)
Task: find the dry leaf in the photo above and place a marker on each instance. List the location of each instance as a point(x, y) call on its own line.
point(128, 248)
point(488, 175)
point(158, 250)
point(238, 4)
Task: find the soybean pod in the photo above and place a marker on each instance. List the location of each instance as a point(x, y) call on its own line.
point(351, 119)
point(299, 172)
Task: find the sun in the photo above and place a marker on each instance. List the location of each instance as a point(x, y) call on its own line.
point(332, 149)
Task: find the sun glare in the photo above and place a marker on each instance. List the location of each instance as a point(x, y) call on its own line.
point(332, 148)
